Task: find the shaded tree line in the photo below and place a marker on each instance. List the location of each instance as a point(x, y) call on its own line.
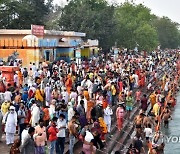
point(20, 14)
point(127, 25)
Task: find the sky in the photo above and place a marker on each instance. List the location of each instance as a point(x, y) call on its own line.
point(169, 8)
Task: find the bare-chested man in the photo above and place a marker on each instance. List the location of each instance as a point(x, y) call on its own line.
point(138, 120)
point(166, 117)
point(148, 120)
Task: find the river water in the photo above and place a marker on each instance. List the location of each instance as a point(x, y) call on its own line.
point(173, 132)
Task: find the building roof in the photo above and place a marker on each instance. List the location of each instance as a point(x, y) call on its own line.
point(64, 33)
point(46, 32)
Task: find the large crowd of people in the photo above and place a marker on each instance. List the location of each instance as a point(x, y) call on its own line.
point(58, 103)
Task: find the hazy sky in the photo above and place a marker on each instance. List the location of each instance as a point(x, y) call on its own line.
point(169, 8)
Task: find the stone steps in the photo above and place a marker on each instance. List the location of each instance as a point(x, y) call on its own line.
point(123, 139)
point(119, 139)
point(129, 141)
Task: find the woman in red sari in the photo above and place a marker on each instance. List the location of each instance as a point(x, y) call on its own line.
point(120, 84)
point(143, 79)
point(139, 76)
point(2, 87)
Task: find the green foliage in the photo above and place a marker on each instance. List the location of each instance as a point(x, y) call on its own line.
point(134, 27)
point(127, 24)
point(147, 38)
point(20, 14)
point(168, 33)
point(94, 17)
point(53, 18)
point(8, 13)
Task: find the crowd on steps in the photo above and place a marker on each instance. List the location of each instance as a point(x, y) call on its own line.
point(53, 105)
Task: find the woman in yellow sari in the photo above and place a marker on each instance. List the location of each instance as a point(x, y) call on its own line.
point(104, 129)
point(39, 96)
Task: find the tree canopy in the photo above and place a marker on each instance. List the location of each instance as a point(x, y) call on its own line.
point(94, 17)
point(134, 27)
point(168, 33)
point(20, 14)
point(127, 25)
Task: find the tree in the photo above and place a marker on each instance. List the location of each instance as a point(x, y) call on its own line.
point(93, 17)
point(53, 17)
point(8, 13)
point(20, 14)
point(134, 27)
point(127, 24)
point(168, 33)
point(147, 37)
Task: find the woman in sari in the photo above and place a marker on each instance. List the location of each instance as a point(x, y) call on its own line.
point(68, 84)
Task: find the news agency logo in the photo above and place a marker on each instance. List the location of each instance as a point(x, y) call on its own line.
point(171, 139)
